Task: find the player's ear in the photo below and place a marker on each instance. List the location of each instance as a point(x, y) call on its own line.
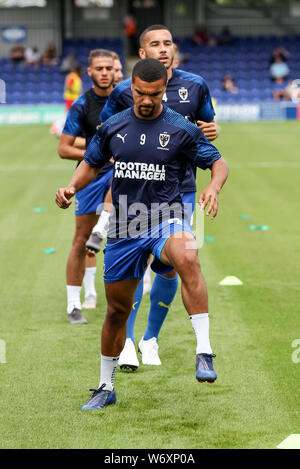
point(89, 72)
point(142, 53)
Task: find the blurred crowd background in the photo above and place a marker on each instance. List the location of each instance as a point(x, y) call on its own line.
point(247, 50)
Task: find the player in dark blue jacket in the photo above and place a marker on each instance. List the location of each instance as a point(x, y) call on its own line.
point(187, 94)
point(151, 145)
point(81, 124)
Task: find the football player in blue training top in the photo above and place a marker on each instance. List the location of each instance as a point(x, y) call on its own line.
point(82, 121)
point(189, 95)
point(151, 145)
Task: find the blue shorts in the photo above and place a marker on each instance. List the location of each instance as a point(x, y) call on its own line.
point(90, 199)
point(189, 201)
point(127, 258)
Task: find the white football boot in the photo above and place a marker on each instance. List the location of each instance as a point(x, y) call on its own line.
point(128, 359)
point(90, 302)
point(149, 351)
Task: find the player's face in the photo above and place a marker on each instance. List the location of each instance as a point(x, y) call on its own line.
point(101, 71)
point(147, 97)
point(158, 45)
point(118, 72)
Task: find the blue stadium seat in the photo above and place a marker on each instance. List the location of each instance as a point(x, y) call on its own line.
point(29, 97)
point(16, 86)
point(16, 97)
point(42, 96)
point(30, 87)
point(56, 97)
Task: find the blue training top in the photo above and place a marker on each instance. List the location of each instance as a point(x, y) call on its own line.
point(187, 94)
point(150, 161)
point(83, 119)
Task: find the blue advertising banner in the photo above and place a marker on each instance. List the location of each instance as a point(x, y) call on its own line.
point(261, 111)
point(14, 34)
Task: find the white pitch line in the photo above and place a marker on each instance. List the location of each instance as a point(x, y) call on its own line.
point(291, 442)
point(265, 164)
point(257, 165)
point(11, 169)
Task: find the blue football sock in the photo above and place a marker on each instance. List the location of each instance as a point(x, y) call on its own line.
point(132, 317)
point(162, 294)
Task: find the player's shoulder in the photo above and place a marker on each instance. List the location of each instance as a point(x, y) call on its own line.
point(115, 119)
point(122, 87)
point(188, 76)
point(175, 119)
point(79, 103)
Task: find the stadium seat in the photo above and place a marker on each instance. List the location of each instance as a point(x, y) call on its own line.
point(247, 61)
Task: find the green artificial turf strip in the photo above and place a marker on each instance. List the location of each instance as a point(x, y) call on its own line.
point(51, 365)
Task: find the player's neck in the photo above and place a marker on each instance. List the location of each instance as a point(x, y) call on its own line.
point(102, 92)
point(170, 73)
point(154, 116)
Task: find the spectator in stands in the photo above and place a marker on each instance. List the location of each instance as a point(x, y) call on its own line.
point(32, 56)
point(130, 31)
point(73, 86)
point(50, 56)
point(229, 85)
point(226, 38)
point(279, 70)
point(17, 54)
point(202, 38)
point(279, 52)
point(290, 92)
point(68, 64)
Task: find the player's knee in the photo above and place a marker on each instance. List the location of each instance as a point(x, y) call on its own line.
point(171, 274)
point(79, 241)
point(187, 262)
point(117, 313)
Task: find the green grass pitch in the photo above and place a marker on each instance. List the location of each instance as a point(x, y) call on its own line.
point(50, 365)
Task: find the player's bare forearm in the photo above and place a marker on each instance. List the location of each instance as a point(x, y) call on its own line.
point(210, 129)
point(71, 153)
point(67, 149)
point(219, 174)
point(82, 177)
point(80, 143)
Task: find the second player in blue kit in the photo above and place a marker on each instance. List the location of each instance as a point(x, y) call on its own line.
point(80, 126)
point(151, 145)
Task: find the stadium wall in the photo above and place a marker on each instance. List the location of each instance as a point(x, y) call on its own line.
point(251, 112)
point(42, 26)
point(273, 19)
point(43, 114)
point(181, 18)
point(98, 22)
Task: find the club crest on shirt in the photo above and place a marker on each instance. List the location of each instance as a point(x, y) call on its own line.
point(164, 139)
point(183, 94)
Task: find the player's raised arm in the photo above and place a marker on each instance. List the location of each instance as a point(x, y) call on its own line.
point(85, 173)
point(205, 119)
point(206, 156)
point(219, 174)
point(67, 148)
point(210, 129)
point(82, 177)
point(80, 142)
